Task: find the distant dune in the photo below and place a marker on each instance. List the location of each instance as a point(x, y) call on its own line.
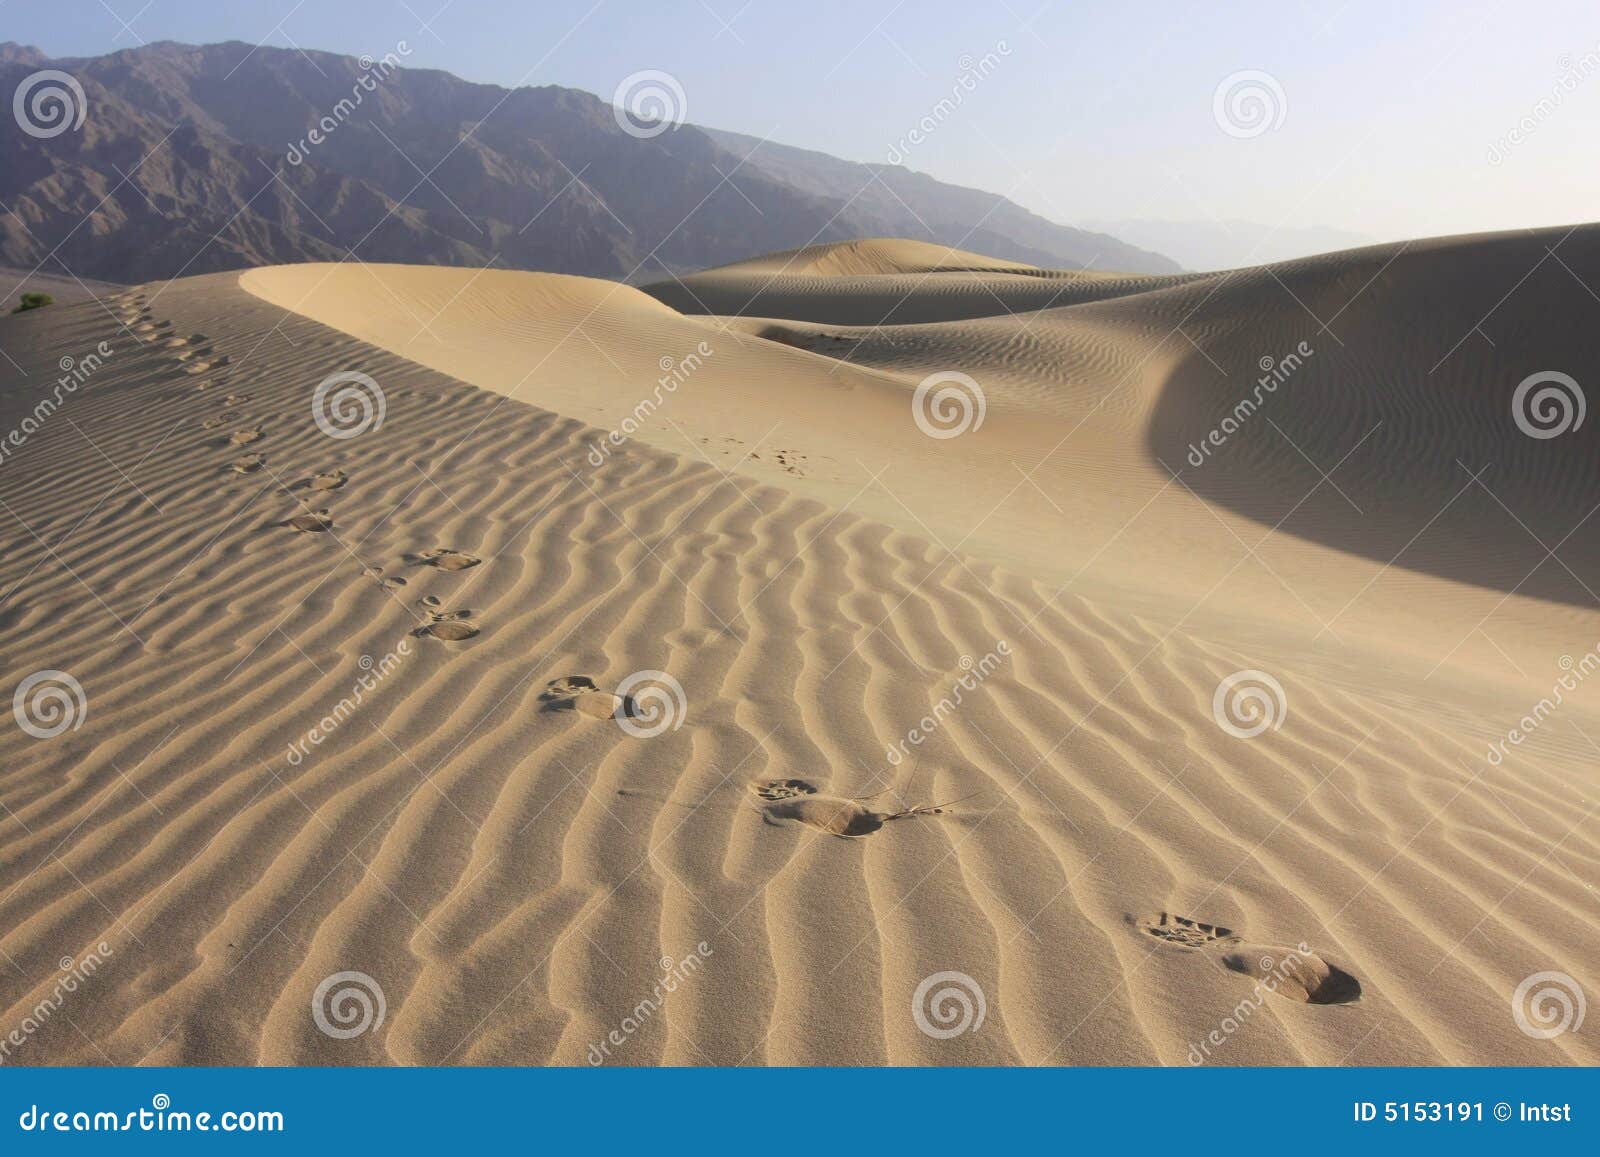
point(956, 662)
point(1212, 245)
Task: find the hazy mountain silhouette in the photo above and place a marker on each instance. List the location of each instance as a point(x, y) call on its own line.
point(195, 159)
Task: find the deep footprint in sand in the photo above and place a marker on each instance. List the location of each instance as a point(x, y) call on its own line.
point(848, 818)
point(249, 464)
point(443, 558)
point(311, 523)
point(245, 437)
point(451, 626)
point(581, 694)
point(1293, 973)
point(235, 399)
point(1187, 933)
point(376, 574)
point(776, 789)
point(837, 817)
point(328, 480)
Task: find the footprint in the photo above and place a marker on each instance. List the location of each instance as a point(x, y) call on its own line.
point(249, 464)
point(328, 480)
point(245, 437)
point(1188, 933)
point(849, 818)
point(376, 574)
point(235, 399)
point(837, 817)
point(1297, 973)
point(442, 558)
point(212, 423)
point(776, 789)
point(451, 626)
point(580, 693)
point(314, 522)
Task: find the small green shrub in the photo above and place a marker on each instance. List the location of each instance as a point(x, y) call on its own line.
point(33, 301)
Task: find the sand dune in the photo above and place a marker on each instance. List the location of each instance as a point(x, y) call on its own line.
point(518, 839)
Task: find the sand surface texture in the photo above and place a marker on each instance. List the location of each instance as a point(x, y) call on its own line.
point(777, 728)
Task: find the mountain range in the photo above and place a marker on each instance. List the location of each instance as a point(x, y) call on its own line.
point(194, 159)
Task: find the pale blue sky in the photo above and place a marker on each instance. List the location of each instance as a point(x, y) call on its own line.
point(1390, 110)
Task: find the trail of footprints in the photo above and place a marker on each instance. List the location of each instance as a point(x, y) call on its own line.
point(196, 356)
point(1294, 973)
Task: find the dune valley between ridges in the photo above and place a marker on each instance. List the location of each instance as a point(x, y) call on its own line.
point(516, 870)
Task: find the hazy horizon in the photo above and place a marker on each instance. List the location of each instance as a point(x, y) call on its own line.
point(1471, 113)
